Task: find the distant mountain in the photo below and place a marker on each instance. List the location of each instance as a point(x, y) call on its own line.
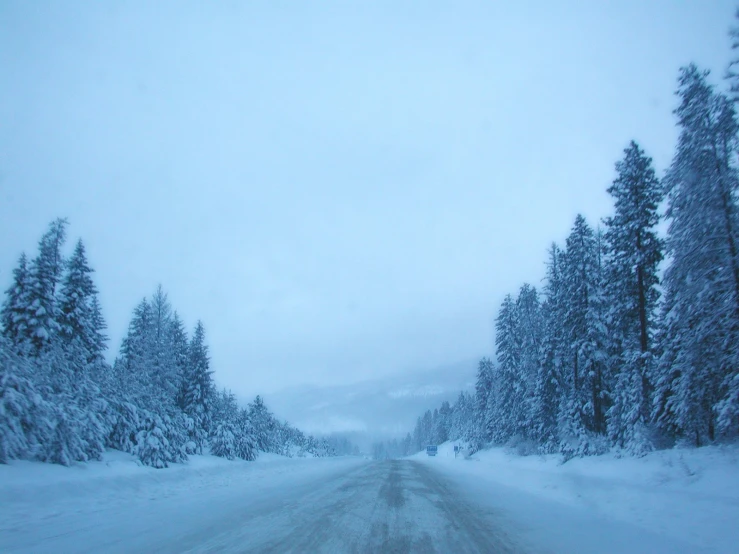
point(381, 408)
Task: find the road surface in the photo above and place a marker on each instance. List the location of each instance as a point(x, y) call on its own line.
point(393, 506)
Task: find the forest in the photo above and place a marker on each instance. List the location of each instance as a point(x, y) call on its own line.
point(61, 402)
point(632, 342)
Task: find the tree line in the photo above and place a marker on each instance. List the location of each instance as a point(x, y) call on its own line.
point(613, 351)
point(61, 401)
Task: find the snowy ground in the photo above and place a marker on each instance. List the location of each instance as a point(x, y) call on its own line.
point(119, 506)
point(675, 501)
point(671, 501)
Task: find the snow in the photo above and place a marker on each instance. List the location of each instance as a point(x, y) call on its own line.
point(683, 500)
point(120, 505)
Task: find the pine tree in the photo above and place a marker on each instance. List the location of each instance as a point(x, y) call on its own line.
point(246, 444)
point(80, 317)
point(197, 387)
point(99, 340)
point(699, 360)
point(634, 252)
point(583, 405)
point(529, 330)
point(483, 397)
point(162, 370)
point(508, 414)
point(264, 424)
point(45, 274)
point(152, 446)
point(223, 441)
point(23, 425)
point(131, 366)
point(548, 388)
point(14, 312)
point(180, 353)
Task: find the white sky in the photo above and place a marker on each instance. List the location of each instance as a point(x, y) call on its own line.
point(337, 189)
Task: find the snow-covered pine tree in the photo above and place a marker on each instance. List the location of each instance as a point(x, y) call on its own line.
point(508, 413)
point(80, 318)
point(597, 374)
point(223, 440)
point(697, 388)
point(65, 445)
point(131, 366)
point(126, 423)
point(180, 352)
point(100, 340)
point(197, 387)
point(462, 418)
point(246, 443)
point(548, 394)
point(582, 412)
point(14, 313)
point(152, 446)
point(529, 330)
point(263, 422)
point(23, 422)
point(45, 274)
point(483, 397)
point(224, 436)
point(634, 252)
point(162, 370)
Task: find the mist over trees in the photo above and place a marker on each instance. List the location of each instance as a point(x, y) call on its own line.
point(61, 402)
point(611, 353)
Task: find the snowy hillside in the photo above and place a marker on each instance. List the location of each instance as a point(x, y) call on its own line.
point(381, 408)
point(686, 500)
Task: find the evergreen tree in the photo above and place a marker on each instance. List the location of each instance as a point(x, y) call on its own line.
point(23, 425)
point(529, 331)
point(45, 274)
point(694, 390)
point(223, 441)
point(180, 352)
point(80, 317)
point(246, 444)
point(483, 398)
point(263, 423)
point(507, 415)
point(131, 366)
point(152, 446)
point(99, 340)
point(548, 388)
point(583, 405)
point(634, 252)
point(162, 370)
point(15, 308)
point(197, 387)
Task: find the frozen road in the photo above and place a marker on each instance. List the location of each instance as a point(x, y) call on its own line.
point(389, 507)
point(351, 506)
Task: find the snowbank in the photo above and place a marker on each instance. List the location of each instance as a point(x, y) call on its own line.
point(120, 473)
point(688, 497)
point(108, 505)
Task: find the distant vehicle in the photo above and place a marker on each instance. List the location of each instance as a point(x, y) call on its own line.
point(432, 450)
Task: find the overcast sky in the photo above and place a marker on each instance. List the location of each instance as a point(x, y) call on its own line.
point(338, 190)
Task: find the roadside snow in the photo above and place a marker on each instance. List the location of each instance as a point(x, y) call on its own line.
point(684, 498)
point(119, 505)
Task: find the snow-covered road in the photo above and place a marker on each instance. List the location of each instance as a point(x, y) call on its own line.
point(443, 504)
point(313, 506)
